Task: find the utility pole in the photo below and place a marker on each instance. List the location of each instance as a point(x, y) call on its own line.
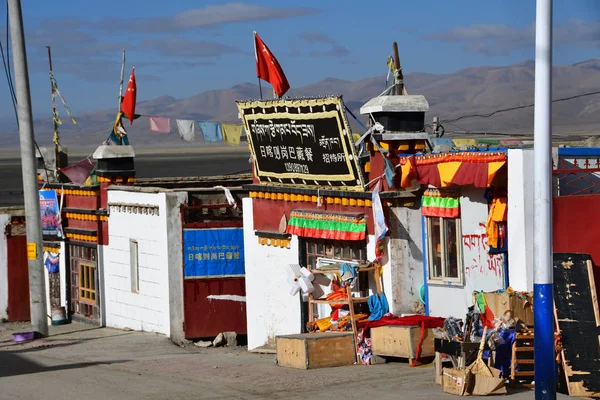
point(37, 287)
point(544, 360)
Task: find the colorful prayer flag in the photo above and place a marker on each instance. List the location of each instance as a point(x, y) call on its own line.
point(160, 124)
point(268, 68)
point(79, 173)
point(380, 225)
point(232, 133)
point(129, 99)
point(211, 131)
point(186, 129)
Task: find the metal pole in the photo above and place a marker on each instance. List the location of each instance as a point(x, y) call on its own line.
point(37, 287)
point(544, 363)
point(260, 88)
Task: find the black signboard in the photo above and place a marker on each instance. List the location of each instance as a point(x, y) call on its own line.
point(302, 142)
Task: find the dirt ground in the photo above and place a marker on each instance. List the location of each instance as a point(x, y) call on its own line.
point(79, 361)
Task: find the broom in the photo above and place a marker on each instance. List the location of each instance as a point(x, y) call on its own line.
point(479, 367)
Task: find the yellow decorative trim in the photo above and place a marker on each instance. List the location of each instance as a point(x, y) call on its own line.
point(50, 249)
point(283, 243)
point(78, 192)
point(115, 179)
point(345, 201)
point(86, 217)
point(82, 238)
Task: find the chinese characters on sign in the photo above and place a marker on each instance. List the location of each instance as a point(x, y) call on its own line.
point(302, 142)
point(213, 252)
point(50, 213)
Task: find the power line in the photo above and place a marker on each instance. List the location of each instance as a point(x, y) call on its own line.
point(520, 107)
point(456, 126)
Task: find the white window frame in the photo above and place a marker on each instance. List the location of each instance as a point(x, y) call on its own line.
point(443, 280)
point(134, 266)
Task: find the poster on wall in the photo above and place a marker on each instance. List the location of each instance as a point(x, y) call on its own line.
point(50, 214)
point(213, 252)
point(302, 142)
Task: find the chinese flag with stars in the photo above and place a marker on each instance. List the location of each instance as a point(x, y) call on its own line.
point(268, 68)
point(128, 102)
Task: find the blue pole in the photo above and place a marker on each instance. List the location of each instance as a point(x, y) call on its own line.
point(544, 360)
point(425, 267)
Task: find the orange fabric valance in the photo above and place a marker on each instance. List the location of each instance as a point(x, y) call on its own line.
point(461, 169)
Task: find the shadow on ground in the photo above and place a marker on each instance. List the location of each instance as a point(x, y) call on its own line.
point(12, 364)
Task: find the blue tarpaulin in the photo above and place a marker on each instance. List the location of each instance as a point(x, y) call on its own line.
point(213, 252)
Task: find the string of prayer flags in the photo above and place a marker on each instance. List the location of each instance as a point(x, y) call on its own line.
point(160, 124)
point(232, 133)
point(186, 129)
point(211, 131)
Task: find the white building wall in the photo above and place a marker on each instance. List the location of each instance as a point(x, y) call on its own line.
point(520, 219)
point(148, 310)
point(482, 272)
point(270, 309)
point(4, 222)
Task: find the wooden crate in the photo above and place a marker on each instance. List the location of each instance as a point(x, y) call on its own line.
point(316, 350)
point(401, 341)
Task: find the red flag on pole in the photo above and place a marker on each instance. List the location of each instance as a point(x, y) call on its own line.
point(268, 68)
point(128, 102)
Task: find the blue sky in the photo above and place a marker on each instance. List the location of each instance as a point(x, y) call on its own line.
point(183, 47)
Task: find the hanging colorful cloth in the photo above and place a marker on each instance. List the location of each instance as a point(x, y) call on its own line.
point(79, 172)
point(378, 305)
point(232, 133)
point(389, 172)
point(52, 262)
point(186, 129)
point(211, 131)
point(118, 136)
point(380, 224)
point(495, 221)
point(409, 172)
point(440, 203)
point(487, 315)
point(55, 116)
point(160, 124)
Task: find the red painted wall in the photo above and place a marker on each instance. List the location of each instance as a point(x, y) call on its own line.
point(576, 225)
point(18, 279)
point(208, 317)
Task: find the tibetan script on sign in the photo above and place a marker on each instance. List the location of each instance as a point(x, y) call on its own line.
point(304, 142)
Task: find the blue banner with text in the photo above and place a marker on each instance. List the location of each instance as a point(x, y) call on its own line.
point(213, 252)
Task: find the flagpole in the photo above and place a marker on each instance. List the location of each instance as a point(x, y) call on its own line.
point(55, 123)
point(256, 60)
point(121, 85)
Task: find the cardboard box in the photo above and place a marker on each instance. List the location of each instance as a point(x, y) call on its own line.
point(401, 341)
point(487, 385)
point(522, 309)
point(316, 350)
point(456, 381)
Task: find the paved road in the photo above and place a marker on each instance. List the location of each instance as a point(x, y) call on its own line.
point(102, 364)
point(148, 165)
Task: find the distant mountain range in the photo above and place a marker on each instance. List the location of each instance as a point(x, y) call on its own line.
point(469, 91)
